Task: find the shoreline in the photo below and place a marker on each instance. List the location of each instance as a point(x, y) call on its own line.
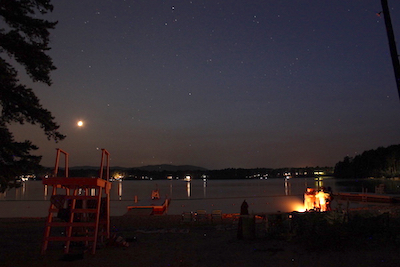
point(39, 208)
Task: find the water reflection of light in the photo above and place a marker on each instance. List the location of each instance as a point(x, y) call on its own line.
point(120, 189)
point(46, 192)
point(20, 191)
point(319, 182)
point(17, 193)
point(204, 188)
point(188, 189)
point(287, 187)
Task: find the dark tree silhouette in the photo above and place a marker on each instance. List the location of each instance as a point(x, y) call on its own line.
point(24, 38)
point(380, 162)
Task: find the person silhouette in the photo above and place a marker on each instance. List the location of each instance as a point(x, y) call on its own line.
point(244, 210)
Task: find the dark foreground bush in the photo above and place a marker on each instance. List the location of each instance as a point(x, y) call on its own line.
point(338, 231)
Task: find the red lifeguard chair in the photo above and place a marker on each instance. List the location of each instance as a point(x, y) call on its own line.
point(79, 204)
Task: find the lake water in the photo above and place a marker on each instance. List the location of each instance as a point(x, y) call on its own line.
point(271, 195)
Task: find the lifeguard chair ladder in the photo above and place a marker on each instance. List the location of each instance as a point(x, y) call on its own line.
point(83, 210)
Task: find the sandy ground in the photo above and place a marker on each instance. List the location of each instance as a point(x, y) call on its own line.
point(167, 241)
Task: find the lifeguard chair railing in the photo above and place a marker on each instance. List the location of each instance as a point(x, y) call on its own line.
point(83, 211)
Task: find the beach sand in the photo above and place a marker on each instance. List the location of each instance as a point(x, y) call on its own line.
point(167, 241)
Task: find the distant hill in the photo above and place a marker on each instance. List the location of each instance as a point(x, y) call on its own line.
point(171, 168)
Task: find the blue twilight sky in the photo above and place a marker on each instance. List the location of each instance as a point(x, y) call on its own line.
point(220, 84)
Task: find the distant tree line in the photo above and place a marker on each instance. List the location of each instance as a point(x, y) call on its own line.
point(200, 173)
point(380, 162)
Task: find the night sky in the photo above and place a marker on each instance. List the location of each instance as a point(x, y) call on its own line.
point(219, 84)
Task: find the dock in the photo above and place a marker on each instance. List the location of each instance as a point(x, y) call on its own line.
point(368, 197)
